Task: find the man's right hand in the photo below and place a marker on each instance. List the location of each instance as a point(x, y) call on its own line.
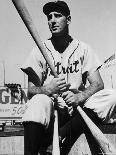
point(58, 85)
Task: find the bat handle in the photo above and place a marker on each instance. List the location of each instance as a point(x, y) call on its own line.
point(56, 147)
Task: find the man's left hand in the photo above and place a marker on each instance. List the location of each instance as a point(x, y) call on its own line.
point(70, 98)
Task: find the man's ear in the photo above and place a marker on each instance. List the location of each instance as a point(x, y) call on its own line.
point(68, 19)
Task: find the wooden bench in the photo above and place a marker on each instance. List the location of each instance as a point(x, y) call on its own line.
point(12, 141)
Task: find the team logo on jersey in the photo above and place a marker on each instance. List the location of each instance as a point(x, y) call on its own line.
point(74, 67)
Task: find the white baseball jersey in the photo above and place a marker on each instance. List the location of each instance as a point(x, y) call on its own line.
point(77, 59)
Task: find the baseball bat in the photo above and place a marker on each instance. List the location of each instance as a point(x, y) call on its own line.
point(104, 144)
point(106, 147)
point(24, 14)
point(107, 61)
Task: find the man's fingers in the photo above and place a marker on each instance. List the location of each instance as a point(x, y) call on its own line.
point(69, 102)
point(63, 89)
point(60, 83)
point(67, 85)
point(68, 97)
point(64, 94)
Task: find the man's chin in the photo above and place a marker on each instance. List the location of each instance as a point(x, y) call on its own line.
point(56, 33)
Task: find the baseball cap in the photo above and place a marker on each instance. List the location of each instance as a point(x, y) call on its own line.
point(59, 6)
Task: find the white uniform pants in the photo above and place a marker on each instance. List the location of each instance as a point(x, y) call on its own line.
point(40, 108)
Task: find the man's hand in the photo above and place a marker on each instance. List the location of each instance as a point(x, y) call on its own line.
point(58, 85)
point(70, 98)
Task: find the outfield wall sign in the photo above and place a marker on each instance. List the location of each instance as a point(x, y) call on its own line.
point(12, 106)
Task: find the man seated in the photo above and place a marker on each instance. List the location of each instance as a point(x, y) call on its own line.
point(75, 63)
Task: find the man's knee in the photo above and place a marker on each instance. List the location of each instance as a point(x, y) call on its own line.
point(39, 109)
point(41, 99)
point(103, 103)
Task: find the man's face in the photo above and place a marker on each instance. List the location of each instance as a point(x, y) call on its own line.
point(57, 22)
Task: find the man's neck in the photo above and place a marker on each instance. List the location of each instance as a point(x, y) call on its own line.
point(60, 43)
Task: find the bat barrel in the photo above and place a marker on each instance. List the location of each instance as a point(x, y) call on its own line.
point(102, 141)
point(24, 14)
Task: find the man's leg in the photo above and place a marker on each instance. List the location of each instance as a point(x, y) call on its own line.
point(103, 103)
point(71, 131)
point(36, 122)
point(33, 137)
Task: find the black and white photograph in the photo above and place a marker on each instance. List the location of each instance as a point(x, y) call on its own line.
point(57, 77)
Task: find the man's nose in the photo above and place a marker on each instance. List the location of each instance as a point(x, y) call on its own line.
point(53, 19)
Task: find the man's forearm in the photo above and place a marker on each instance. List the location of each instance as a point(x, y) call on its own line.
point(89, 91)
point(40, 90)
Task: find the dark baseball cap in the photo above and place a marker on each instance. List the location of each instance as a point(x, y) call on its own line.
point(59, 6)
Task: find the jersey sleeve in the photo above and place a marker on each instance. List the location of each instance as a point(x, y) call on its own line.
point(91, 61)
point(34, 65)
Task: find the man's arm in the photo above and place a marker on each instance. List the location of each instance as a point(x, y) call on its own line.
point(96, 84)
point(55, 86)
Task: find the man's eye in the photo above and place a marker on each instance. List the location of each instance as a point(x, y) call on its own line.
point(49, 17)
point(58, 15)
point(55, 15)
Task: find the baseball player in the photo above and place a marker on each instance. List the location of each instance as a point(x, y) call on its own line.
point(75, 63)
